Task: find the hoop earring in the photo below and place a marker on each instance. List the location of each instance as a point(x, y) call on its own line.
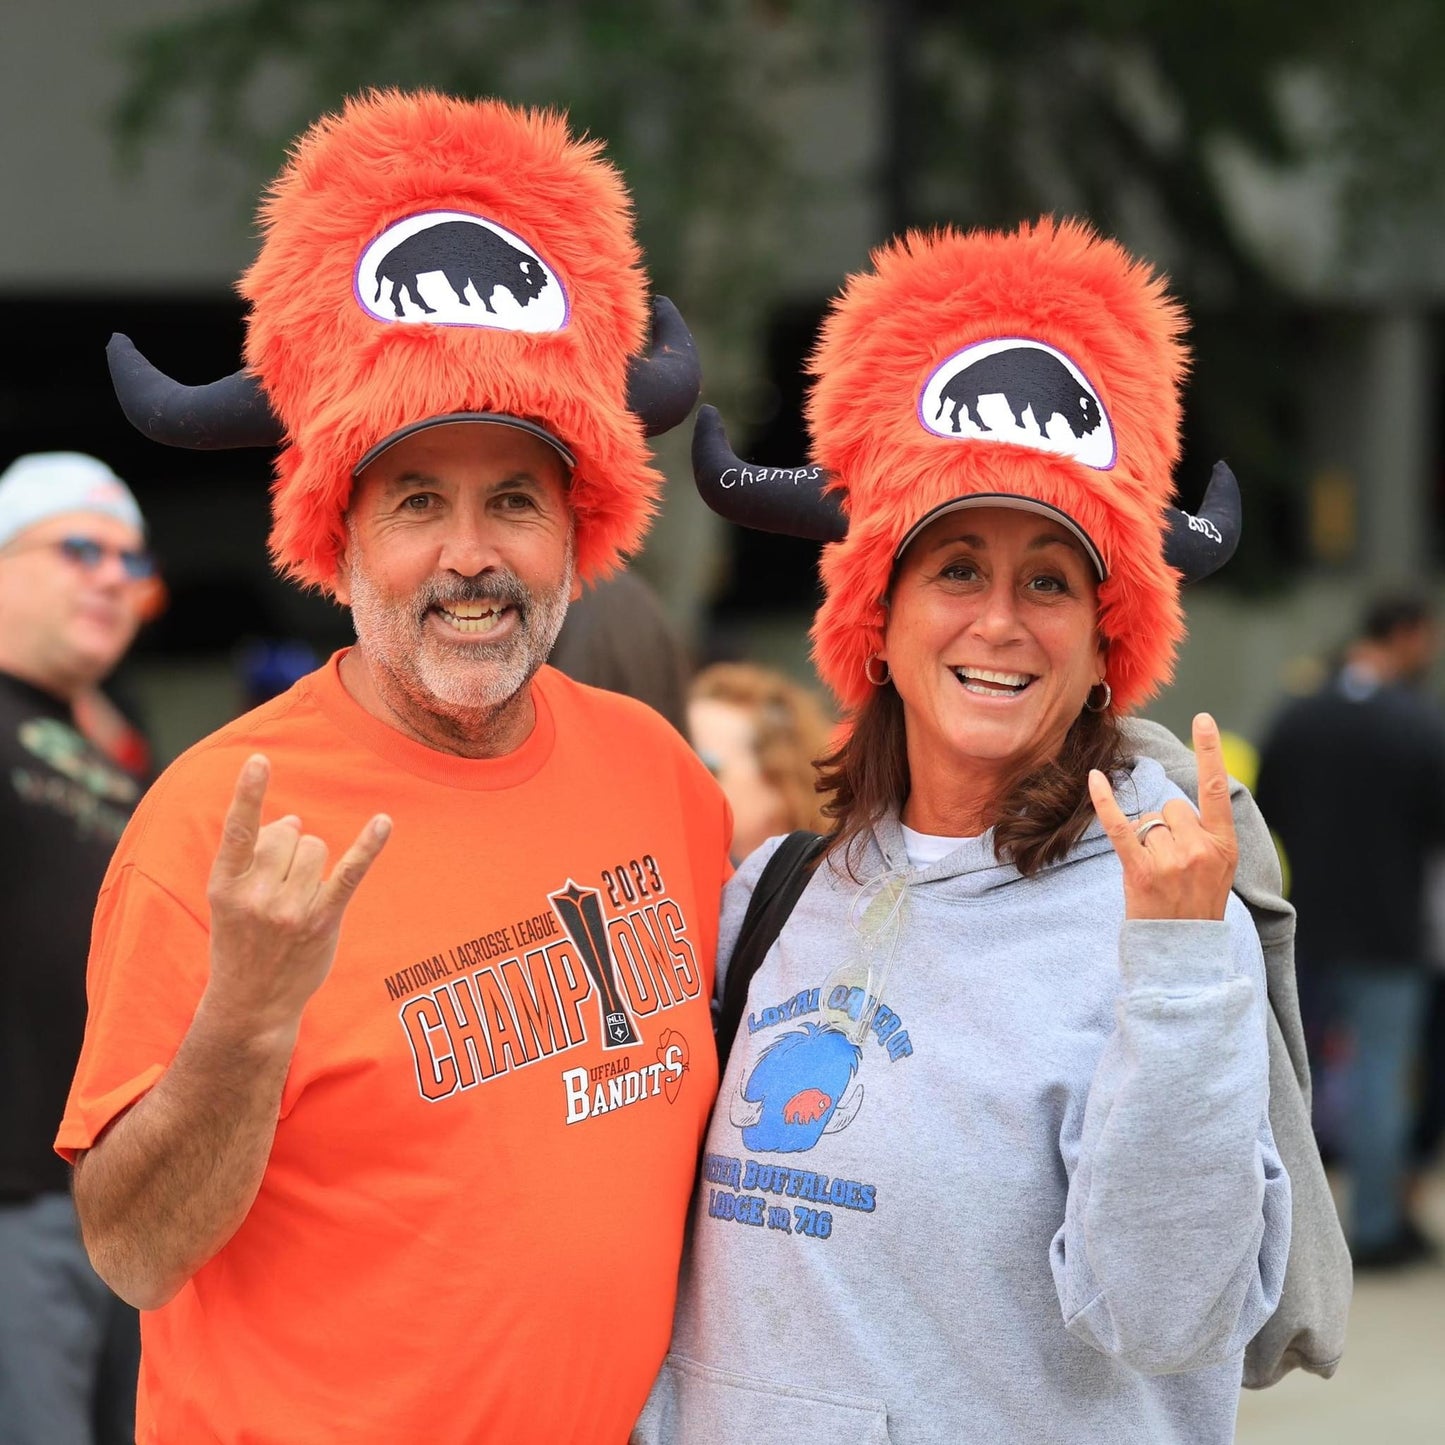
point(1108, 698)
point(868, 670)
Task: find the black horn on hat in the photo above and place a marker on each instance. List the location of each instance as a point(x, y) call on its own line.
point(790, 500)
point(662, 387)
point(1202, 542)
point(232, 412)
point(664, 381)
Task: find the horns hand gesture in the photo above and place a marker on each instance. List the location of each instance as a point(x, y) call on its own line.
point(275, 911)
point(1177, 863)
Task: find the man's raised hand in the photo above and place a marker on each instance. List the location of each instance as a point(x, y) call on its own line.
point(1177, 863)
point(275, 912)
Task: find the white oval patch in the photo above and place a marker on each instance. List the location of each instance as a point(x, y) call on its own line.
point(1017, 390)
point(450, 268)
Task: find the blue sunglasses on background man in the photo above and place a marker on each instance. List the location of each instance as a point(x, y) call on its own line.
point(89, 553)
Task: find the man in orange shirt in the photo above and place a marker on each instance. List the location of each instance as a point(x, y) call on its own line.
point(400, 1149)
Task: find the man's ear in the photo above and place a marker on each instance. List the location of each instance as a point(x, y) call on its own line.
point(576, 592)
point(341, 582)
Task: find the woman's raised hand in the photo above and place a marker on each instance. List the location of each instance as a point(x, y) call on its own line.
point(1178, 863)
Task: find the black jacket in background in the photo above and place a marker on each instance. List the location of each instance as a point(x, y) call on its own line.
point(1352, 780)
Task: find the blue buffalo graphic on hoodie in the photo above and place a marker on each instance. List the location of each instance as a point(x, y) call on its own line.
point(798, 1091)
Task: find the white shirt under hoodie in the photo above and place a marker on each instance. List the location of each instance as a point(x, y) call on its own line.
point(1040, 1205)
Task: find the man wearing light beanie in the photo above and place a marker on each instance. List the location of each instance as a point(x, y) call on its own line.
point(72, 570)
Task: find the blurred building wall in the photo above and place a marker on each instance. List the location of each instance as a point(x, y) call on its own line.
point(74, 220)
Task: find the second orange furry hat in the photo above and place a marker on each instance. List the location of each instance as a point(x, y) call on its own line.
point(874, 415)
point(1041, 366)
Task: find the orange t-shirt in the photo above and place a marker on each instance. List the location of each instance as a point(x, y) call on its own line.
point(470, 1225)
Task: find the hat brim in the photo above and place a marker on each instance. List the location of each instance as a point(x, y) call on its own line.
point(454, 418)
point(1013, 503)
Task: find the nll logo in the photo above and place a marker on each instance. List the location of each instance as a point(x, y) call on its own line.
point(580, 910)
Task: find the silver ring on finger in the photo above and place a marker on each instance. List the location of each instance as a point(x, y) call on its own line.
point(1142, 831)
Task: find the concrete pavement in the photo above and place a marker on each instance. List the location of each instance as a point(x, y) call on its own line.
point(1390, 1387)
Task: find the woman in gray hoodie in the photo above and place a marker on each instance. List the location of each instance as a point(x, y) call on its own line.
point(992, 1158)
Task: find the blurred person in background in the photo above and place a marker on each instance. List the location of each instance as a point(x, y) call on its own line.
point(761, 734)
point(994, 1136)
point(108, 713)
point(1352, 779)
point(73, 575)
point(113, 729)
point(266, 666)
point(1428, 1132)
point(617, 636)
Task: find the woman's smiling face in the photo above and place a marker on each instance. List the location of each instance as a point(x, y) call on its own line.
point(992, 639)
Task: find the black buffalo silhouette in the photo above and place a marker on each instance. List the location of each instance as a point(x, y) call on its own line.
point(463, 252)
point(1027, 378)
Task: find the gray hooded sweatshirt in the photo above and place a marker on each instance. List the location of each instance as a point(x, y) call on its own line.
point(1038, 1202)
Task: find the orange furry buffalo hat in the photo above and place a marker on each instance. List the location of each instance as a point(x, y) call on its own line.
point(429, 260)
point(1036, 369)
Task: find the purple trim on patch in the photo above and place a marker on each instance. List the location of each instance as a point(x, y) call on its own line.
point(1046, 346)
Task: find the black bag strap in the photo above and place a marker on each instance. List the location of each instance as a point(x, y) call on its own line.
point(778, 888)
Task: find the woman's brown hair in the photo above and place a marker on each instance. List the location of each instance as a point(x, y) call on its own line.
point(1039, 818)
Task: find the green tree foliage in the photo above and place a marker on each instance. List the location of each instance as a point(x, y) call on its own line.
point(1112, 109)
point(1118, 110)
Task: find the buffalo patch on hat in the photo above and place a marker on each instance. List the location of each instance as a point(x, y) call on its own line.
point(1024, 392)
point(451, 268)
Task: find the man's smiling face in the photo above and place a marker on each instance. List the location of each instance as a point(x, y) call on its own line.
point(459, 567)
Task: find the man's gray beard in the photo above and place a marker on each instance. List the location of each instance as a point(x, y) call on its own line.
point(460, 677)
